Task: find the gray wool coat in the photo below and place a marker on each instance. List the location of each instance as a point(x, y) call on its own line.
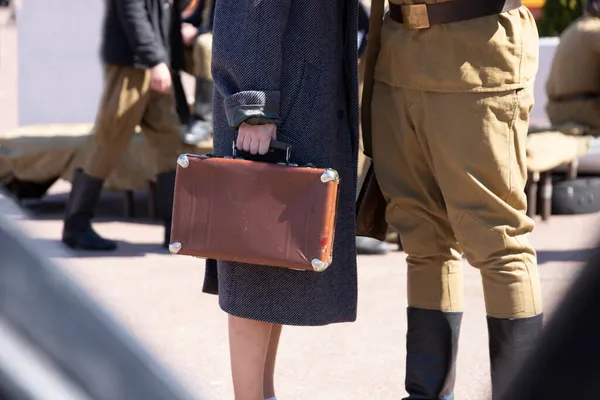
point(293, 63)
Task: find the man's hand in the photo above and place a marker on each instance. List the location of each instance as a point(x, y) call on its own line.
point(256, 138)
point(188, 33)
point(160, 78)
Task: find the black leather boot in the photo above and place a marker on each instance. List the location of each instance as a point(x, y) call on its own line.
point(201, 123)
point(431, 348)
point(165, 190)
point(510, 341)
point(77, 229)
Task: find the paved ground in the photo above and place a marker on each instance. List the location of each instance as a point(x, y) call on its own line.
point(157, 295)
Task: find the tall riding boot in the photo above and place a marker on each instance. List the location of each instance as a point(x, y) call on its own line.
point(165, 190)
point(431, 348)
point(201, 125)
point(510, 341)
point(77, 230)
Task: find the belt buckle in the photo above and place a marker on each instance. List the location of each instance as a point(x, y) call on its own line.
point(415, 16)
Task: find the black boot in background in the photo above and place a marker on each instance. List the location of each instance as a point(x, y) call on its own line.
point(510, 341)
point(77, 230)
point(431, 349)
point(201, 123)
point(367, 245)
point(165, 189)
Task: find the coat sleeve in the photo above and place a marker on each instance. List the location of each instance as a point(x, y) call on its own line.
point(144, 41)
point(247, 57)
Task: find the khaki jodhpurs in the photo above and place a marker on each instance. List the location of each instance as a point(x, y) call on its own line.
point(201, 54)
point(452, 166)
point(127, 102)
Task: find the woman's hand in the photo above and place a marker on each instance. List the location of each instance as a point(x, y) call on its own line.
point(256, 139)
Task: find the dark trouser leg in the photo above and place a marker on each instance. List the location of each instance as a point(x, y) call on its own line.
point(510, 341)
point(431, 346)
point(200, 126)
point(203, 104)
point(77, 231)
point(165, 184)
point(181, 104)
point(162, 130)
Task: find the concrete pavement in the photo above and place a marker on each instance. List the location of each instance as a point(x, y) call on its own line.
point(157, 295)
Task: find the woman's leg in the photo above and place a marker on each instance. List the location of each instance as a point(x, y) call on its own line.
point(248, 346)
point(269, 374)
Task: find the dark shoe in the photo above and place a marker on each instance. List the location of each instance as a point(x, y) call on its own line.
point(367, 245)
point(165, 189)
point(77, 230)
point(197, 131)
point(431, 348)
point(200, 126)
point(510, 340)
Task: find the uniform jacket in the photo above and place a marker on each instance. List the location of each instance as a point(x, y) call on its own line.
point(142, 33)
point(488, 54)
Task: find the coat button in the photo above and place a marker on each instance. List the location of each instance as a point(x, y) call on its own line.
point(340, 113)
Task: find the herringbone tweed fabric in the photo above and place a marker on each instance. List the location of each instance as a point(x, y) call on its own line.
point(300, 56)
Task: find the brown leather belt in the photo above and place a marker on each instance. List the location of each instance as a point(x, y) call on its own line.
point(422, 16)
point(575, 97)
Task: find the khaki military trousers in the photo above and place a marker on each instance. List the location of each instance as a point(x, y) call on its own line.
point(127, 102)
point(202, 55)
point(452, 166)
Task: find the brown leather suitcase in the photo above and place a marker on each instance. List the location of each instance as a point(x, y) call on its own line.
point(267, 213)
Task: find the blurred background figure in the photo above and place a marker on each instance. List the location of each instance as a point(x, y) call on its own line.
point(196, 32)
point(141, 44)
point(573, 86)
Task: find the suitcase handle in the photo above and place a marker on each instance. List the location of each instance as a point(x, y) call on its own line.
point(279, 152)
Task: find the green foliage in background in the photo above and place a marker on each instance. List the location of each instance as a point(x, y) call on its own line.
point(558, 14)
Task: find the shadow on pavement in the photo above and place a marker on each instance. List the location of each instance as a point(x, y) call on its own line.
point(579, 255)
point(112, 206)
point(125, 249)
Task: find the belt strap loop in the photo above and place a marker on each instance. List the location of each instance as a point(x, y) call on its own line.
point(415, 16)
